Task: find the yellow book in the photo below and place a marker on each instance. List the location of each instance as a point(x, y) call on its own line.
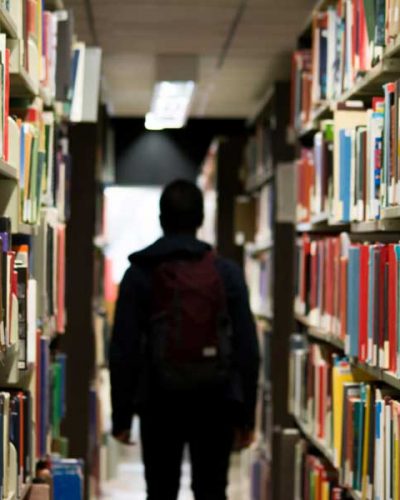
point(342, 373)
point(325, 491)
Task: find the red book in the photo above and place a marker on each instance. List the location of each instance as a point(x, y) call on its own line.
point(365, 63)
point(13, 288)
point(6, 104)
point(314, 275)
point(354, 39)
point(305, 256)
point(392, 308)
point(21, 432)
point(336, 273)
point(363, 304)
point(330, 278)
point(382, 307)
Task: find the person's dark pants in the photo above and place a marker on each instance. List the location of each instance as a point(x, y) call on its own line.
point(207, 430)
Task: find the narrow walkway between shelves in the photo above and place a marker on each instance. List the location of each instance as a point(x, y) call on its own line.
point(129, 483)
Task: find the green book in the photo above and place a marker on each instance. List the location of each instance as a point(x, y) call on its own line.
point(33, 178)
point(358, 422)
point(369, 8)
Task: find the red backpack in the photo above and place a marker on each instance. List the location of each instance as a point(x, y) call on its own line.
point(190, 334)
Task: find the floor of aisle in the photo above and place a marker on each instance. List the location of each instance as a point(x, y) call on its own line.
point(129, 482)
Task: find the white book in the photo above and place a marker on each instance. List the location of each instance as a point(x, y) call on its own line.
point(6, 443)
point(47, 198)
point(332, 22)
point(77, 96)
point(353, 182)
point(379, 480)
point(388, 451)
point(14, 138)
point(32, 321)
point(3, 44)
point(16, 12)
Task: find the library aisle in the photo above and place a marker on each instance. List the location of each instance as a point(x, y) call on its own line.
point(276, 127)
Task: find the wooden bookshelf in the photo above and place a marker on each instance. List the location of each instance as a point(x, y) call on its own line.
point(323, 226)
point(379, 226)
point(257, 182)
point(7, 23)
point(22, 84)
point(325, 452)
point(317, 443)
point(54, 5)
point(7, 171)
point(391, 212)
point(371, 84)
point(27, 229)
point(325, 336)
point(256, 249)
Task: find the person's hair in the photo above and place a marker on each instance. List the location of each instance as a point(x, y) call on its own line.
point(181, 207)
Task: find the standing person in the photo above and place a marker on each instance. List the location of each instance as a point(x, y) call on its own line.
point(184, 354)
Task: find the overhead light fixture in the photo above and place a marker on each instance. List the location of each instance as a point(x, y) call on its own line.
point(173, 92)
point(170, 105)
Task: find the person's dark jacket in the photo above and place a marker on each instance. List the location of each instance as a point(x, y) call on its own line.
point(131, 320)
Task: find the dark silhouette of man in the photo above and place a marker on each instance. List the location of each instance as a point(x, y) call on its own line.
point(211, 422)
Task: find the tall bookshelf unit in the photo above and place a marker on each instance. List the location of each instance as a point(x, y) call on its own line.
point(267, 233)
point(35, 168)
point(345, 307)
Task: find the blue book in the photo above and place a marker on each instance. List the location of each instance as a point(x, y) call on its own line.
point(353, 292)
point(345, 145)
point(68, 479)
point(360, 408)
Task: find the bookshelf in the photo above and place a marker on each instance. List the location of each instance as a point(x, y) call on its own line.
point(7, 23)
point(7, 171)
point(332, 314)
point(35, 168)
point(261, 228)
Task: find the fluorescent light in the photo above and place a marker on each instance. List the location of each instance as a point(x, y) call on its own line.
point(170, 105)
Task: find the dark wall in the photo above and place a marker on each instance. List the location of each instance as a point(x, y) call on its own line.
point(156, 158)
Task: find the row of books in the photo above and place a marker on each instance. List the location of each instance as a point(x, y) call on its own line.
point(351, 291)
point(348, 39)
point(352, 171)
point(44, 165)
point(17, 293)
point(259, 276)
point(20, 303)
point(22, 444)
point(355, 420)
point(315, 477)
point(258, 155)
point(264, 209)
point(264, 410)
point(42, 45)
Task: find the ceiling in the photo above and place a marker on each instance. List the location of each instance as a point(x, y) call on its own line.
point(133, 32)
